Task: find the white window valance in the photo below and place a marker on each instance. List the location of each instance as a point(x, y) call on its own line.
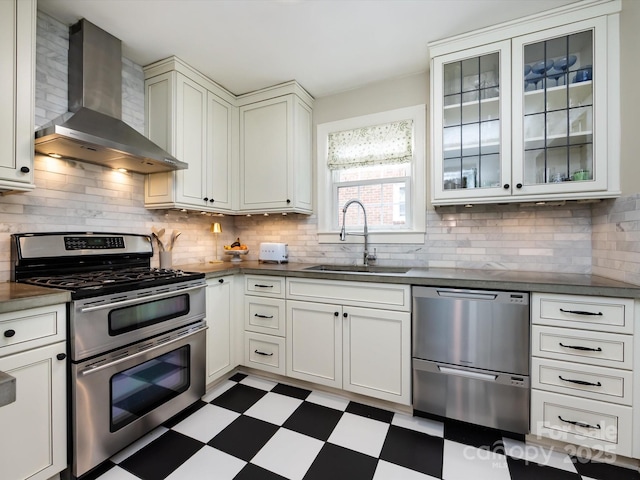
point(390, 143)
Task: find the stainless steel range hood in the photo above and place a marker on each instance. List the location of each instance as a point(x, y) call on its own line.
point(92, 130)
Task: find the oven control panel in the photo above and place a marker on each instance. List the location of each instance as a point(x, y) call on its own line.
point(92, 243)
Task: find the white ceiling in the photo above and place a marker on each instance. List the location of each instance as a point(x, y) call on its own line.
point(328, 46)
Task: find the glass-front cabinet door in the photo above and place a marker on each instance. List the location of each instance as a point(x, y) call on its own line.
point(471, 91)
point(559, 110)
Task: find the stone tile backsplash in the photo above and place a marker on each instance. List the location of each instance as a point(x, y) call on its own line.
point(601, 238)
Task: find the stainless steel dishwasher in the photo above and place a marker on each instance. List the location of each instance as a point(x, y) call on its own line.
point(471, 356)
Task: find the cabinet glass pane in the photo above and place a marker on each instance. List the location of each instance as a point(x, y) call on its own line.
point(558, 109)
point(471, 122)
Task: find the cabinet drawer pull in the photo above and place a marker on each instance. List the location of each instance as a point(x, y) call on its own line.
point(262, 353)
point(580, 312)
point(258, 285)
point(9, 333)
point(262, 316)
point(579, 424)
point(580, 382)
point(578, 347)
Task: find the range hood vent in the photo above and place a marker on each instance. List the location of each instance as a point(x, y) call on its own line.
point(93, 131)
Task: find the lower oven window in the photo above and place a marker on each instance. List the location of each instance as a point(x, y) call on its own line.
point(140, 389)
point(126, 319)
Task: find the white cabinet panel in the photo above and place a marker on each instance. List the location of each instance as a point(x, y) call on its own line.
point(220, 335)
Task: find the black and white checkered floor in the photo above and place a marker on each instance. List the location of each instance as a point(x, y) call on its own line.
point(250, 428)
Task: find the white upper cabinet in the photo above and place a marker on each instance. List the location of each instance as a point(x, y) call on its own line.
point(275, 150)
point(247, 154)
point(193, 119)
point(533, 113)
point(17, 77)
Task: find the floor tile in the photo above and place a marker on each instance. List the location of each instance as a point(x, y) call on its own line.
point(415, 450)
point(218, 390)
point(314, 420)
point(238, 377)
point(162, 456)
point(244, 437)
point(525, 470)
point(419, 424)
point(478, 436)
point(208, 463)
point(463, 462)
point(206, 423)
point(290, 391)
point(138, 444)
point(391, 471)
point(117, 473)
point(100, 471)
point(254, 472)
point(239, 398)
point(274, 408)
point(604, 471)
point(184, 414)
point(370, 412)
point(555, 458)
point(338, 463)
point(328, 400)
point(360, 434)
point(288, 453)
point(257, 382)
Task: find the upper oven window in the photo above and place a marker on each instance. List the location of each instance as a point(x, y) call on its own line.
point(142, 315)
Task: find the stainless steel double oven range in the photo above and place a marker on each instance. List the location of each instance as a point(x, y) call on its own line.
point(136, 335)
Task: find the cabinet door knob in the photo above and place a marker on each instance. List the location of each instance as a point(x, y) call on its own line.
point(61, 356)
point(288, 201)
point(206, 199)
point(9, 333)
point(335, 314)
point(506, 186)
point(221, 280)
point(518, 185)
point(212, 200)
point(345, 315)
point(25, 169)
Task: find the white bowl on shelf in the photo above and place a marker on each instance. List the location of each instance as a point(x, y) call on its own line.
point(236, 254)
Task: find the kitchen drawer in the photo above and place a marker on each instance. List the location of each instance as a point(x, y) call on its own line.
point(265, 352)
point(387, 296)
point(588, 381)
point(594, 348)
point(264, 285)
point(598, 425)
point(31, 328)
point(578, 311)
point(264, 315)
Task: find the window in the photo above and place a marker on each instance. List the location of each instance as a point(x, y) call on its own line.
point(378, 159)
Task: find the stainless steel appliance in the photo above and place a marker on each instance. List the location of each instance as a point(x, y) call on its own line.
point(471, 356)
point(92, 130)
point(136, 335)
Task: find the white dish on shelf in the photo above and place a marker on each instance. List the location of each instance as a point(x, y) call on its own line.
point(236, 254)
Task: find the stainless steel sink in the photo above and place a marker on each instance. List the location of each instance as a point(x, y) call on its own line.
point(357, 269)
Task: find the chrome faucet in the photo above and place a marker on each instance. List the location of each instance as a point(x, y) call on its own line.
point(365, 233)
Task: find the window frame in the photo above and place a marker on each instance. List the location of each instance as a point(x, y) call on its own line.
point(416, 206)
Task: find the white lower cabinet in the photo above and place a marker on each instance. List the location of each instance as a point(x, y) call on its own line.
point(264, 323)
point(359, 349)
point(582, 371)
point(33, 443)
point(220, 335)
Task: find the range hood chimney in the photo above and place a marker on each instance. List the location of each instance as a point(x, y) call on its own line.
point(93, 131)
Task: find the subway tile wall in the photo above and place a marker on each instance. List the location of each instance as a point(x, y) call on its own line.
point(602, 238)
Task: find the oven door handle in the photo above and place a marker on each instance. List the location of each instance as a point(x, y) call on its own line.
point(156, 296)
point(90, 370)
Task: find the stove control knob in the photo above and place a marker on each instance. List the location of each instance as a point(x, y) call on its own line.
point(9, 333)
point(61, 356)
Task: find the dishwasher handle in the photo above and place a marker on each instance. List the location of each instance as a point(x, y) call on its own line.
point(467, 294)
point(467, 373)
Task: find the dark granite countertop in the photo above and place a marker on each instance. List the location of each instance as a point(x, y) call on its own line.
point(19, 296)
point(442, 277)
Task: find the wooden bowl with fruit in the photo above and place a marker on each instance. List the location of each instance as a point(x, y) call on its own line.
point(236, 249)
